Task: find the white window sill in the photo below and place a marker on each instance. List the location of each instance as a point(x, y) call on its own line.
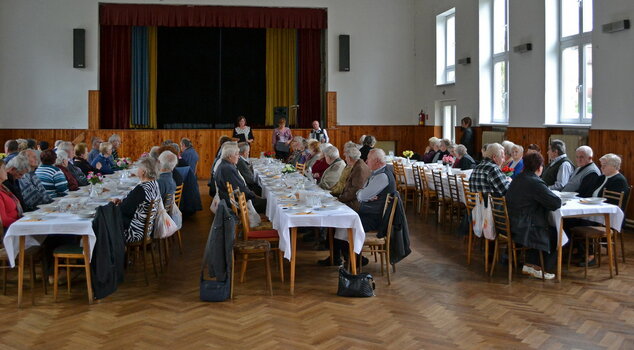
point(493, 124)
point(446, 84)
point(568, 125)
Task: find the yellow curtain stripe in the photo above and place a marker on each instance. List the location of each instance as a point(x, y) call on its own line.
point(280, 70)
point(152, 42)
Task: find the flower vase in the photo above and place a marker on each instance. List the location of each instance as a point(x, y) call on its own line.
point(93, 191)
point(408, 161)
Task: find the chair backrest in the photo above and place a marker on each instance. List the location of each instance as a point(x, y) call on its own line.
point(500, 216)
point(627, 200)
point(232, 198)
point(399, 173)
point(301, 167)
point(471, 199)
point(178, 194)
point(615, 196)
point(168, 202)
point(425, 175)
point(465, 184)
point(454, 188)
point(418, 182)
point(436, 175)
point(148, 226)
point(244, 215)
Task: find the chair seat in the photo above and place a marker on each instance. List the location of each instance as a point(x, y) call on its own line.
point(372, 239)
point(69, 249)
point(589, 231)
point(251, 245)
point(263, 234)
point(264, 225)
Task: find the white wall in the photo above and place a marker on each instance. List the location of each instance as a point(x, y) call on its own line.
point(40, 89)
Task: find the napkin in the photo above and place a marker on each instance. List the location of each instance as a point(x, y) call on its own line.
point(304, 213)
point(30, 220)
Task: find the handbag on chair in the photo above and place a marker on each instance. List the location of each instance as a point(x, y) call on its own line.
point(360, 286)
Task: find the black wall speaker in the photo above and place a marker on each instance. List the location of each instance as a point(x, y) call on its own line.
point(616, 26)
point(344, 53)
point(79, 48)
point(523, 48)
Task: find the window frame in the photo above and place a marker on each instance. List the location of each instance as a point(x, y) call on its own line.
point(499, 57)
point(450, 68)
point(443, 69)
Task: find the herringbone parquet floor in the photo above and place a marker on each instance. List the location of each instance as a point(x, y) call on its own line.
point(435, 302)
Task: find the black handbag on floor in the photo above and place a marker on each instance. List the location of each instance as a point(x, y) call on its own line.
point(361, 285)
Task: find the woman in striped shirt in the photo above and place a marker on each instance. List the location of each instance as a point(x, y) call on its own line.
point(134, 207)
point(51, 176)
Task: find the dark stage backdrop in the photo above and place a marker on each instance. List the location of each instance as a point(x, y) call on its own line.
point(208, 76)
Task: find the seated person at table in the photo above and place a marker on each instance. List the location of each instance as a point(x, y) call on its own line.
point(298, 154)
point(372, 197)
point(463, 160)
point(74, 170)
point(167, 186)
point(11, 150)
point(10, 208)
point(16, 168)
point(80, 159)
point(51, 176)
point(115, 141)
point(94, 151)
point(368, 145)
point(583, 178)
point(177, 148)
point(431, 150)
point(62, 163)
point(314, 153)
point(529, 202)
point(335, 167)
point(103, 162)
point(246, 169)
point(33, 192)
point(560, 168)
point(516, 163)
point(443, 150)
point(337, 189)
point(178, 178)
point(508, 148)
point(134, 206)
point(228, 172)
point(487, 177)
point(320, 165)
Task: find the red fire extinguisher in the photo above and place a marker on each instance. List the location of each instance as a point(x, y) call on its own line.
point(421, 118)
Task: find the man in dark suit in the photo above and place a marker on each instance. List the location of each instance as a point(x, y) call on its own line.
point(246, 169)
point(228, 172)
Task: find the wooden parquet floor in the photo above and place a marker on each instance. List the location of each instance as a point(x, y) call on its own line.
point(435, 301)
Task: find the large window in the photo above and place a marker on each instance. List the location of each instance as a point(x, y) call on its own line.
point(448, 111)
point(500, 62)
point(575, 60)
point(446, 47)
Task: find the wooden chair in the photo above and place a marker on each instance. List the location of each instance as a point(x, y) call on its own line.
point(381, 245)
point(300, 167)
point(596, 234)
point(265, 224)
point(163, 243)
point(472, 199)
point(418, 185)
point(31, 254)
point(430, 196)
point(146, 241)
point(456, 205)
point(444, 201)
point(503, 235)
point(250, 247)
point(178, 195)
point(401, 184)
point(269, 235)
point(62, 256)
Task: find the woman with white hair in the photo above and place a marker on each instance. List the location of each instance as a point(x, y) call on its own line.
point(516, 163)
point(431, 150)
point(320, 166)
point(314, 153)
point(103, 162)
point(463, 160)
point(167, 163)
point(115, 140)
point(508, 148)
point(443, 150)
point(62, 163)
point(611, 179)
point(335, 167)
point(298, 155)
point(134, 207)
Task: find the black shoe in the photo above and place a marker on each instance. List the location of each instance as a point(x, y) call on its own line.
point(364, 261)
point(326, 262)
point(591, 263)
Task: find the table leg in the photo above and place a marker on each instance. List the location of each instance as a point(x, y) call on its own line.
point(21, 269)
point(353, 259)
point(293, 257)
point(560, 248)
point(608, 232)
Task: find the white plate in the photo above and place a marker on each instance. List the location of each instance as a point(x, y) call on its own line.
point(592, 200)
point(568, 195)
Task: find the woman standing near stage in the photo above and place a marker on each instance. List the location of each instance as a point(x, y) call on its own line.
point(282, 137)
point(242, 131)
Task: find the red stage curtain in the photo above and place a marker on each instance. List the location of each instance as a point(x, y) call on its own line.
point(212, 16)
point(115, 72)
point(309, 47)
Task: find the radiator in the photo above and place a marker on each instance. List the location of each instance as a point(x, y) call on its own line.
point(492, 137)
point(572, 143)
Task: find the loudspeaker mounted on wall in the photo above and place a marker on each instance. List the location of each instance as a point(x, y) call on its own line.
point(79, 48)
point(616, 26)
point(523, 48)
point(465, 61)
point(344, 53)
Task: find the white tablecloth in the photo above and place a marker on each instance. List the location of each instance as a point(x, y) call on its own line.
point(282, 219)
point(573, 207)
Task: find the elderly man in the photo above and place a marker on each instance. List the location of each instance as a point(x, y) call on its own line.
point(463, 160)
point(560, 168)
point(335, 167)
point(584, 177)
point(94, 152)
point(16, 168)
point(372, 197)
point(487, 177)
point(227, 171)
point(33, 192)
point(246, 169)
point(189, 154)
point(11, 149)
point(74, 170)
point(318, 133)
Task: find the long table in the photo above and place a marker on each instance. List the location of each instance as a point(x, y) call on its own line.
point(281, 201)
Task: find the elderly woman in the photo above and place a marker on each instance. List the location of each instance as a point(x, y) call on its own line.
point(62, 163)
point(103, 162)
point(167, 163)
point(508, 148)
point(16, 169)
point(134, 207)
point(611, 179)
point(442, 151)
point(368, 144)
point(320, 165)
point(299, 154)
point(338, 188)
point(517, 163)
point(335, 167)
point(80, 160)
point(178, 178)
point(94, 150)
point(52, 177)
point(529, 202)
point(463, 160)
point(10, 208)
point(314, 153)
point(242, 132)
point(431, 150)
point(115, 140)
point(282, 137)
point(227, 171)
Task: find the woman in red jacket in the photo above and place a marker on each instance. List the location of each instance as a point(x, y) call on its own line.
point(10, 209)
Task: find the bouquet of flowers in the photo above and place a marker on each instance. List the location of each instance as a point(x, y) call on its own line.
point(288, 168)
point(507, 170)
point(447, 160)
point(408, 154)
point(124, 163)
point(94, 179)
point(269, 154)
point(2, 156)
point(144, 154)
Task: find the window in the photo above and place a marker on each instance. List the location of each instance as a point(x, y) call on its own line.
point(500, 62)
point(575, 61)
point(446, 47)
point(448, 112)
